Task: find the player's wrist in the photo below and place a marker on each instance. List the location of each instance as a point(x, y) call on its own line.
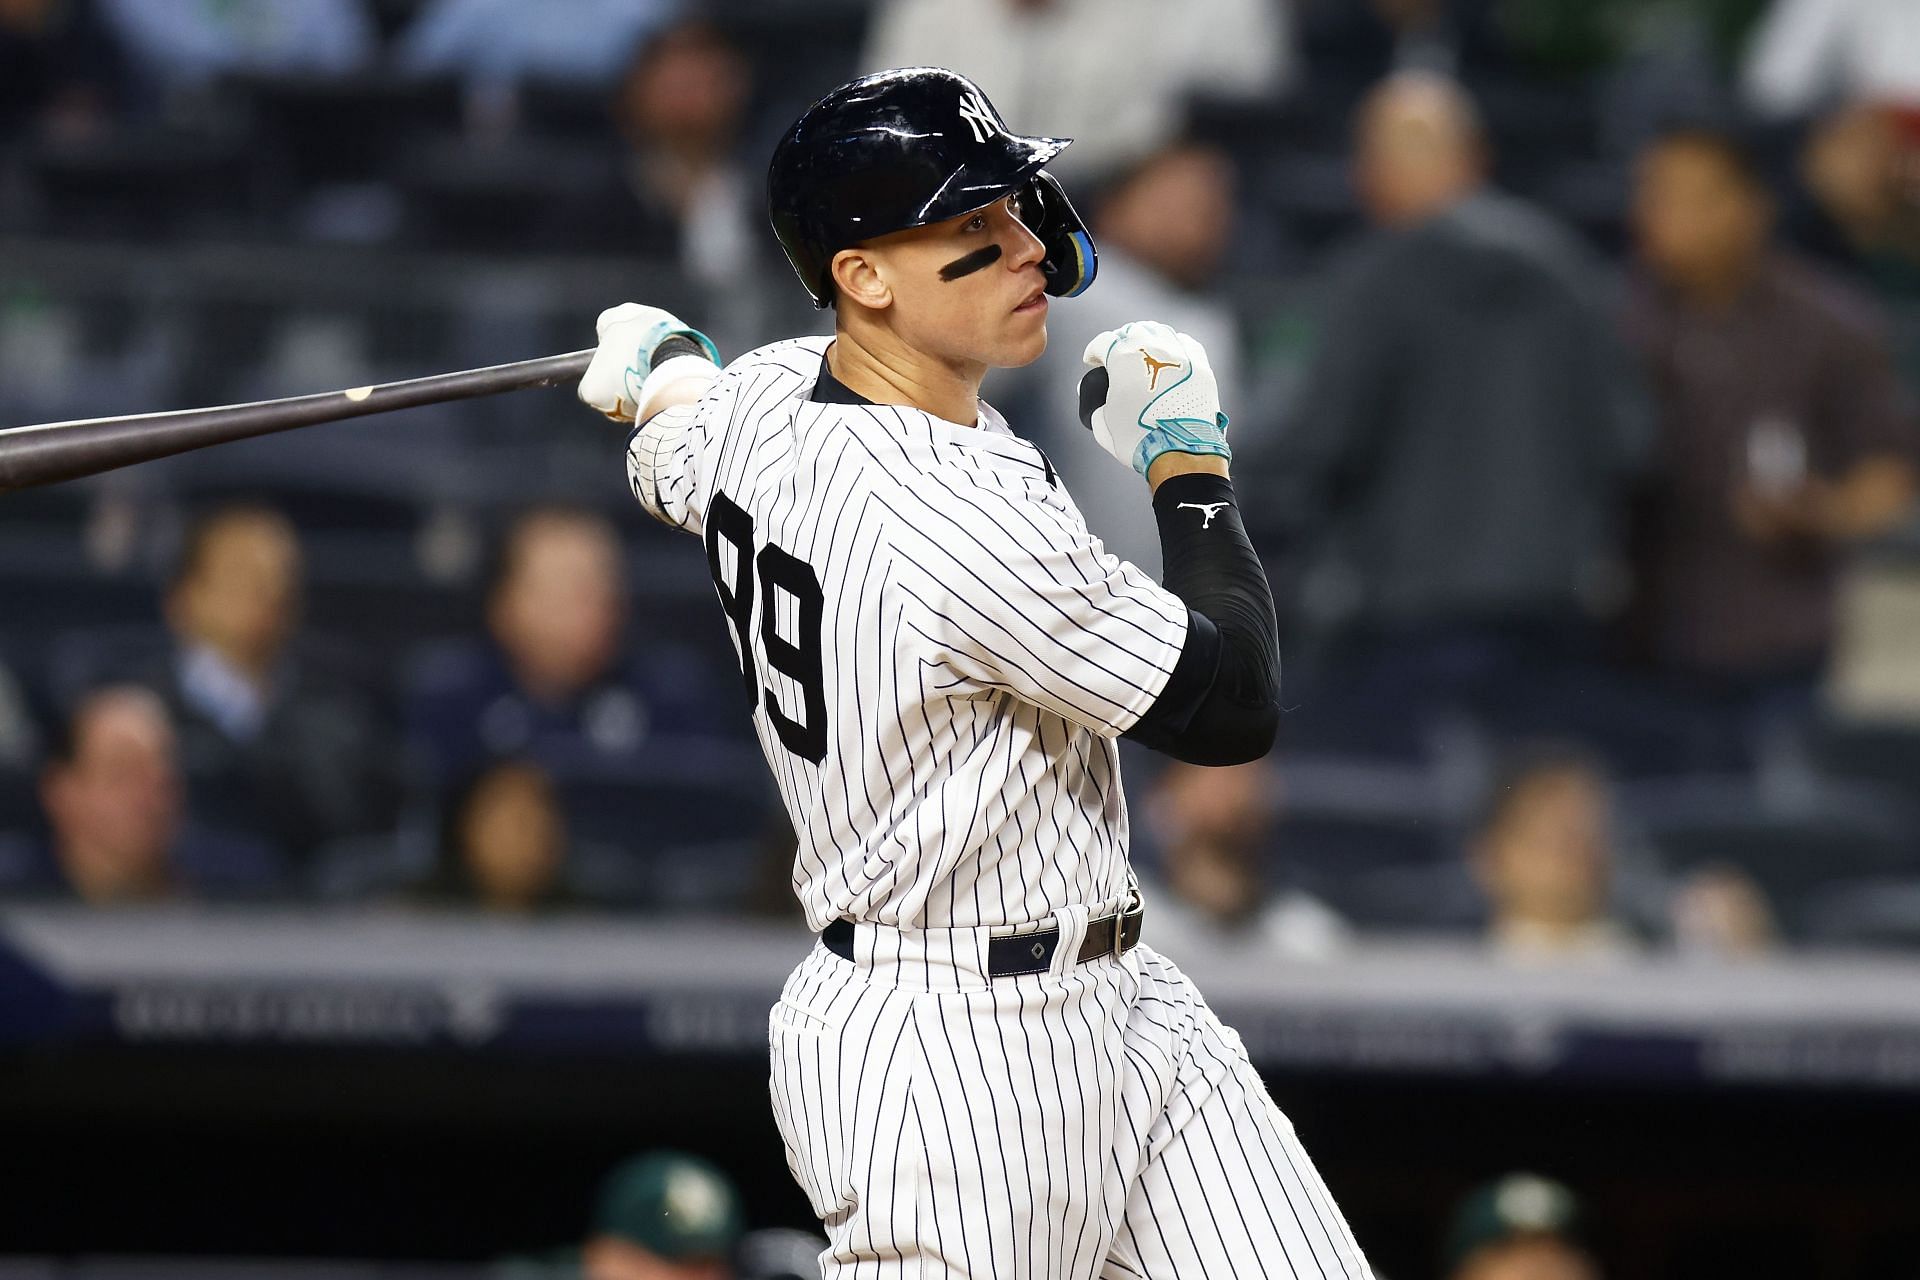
point(679, 379)
point(1172, 466)
point(1182, 437)
point(683, 341)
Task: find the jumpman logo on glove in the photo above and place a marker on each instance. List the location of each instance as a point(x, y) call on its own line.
point(1154, 367)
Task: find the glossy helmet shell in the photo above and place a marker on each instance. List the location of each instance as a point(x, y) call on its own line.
point(903, 149)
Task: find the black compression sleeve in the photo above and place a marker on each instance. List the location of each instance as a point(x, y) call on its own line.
point(1221, 703)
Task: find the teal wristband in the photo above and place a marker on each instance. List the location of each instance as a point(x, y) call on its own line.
point(656, 337)
point(1182, 435)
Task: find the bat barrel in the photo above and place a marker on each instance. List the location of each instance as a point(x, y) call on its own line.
point(57, 451)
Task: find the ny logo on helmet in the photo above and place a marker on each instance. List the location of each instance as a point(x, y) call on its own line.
point(979, 117)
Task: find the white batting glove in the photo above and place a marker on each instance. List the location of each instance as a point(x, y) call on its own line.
point(629, 335)
point(1151, 391)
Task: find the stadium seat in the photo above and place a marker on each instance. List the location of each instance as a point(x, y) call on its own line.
point(19, 799)
point(1794, 851)
point(314, 508)
point(507, 196)
point(1309, 192)
point(548, 110)
point(1438, 898)
point(1869, 912)
point(82, 657)
point(167, 182)
point(1888, 754)
point(799, 50)
point(328, 128)
point(1351, 828)
point(52, 511)
point(63, 591)
point(688, 830)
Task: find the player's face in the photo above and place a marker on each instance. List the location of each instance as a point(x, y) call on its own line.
point(969, 290)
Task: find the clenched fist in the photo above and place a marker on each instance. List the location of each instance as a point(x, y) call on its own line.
point(629, 335)
point(1151, 391)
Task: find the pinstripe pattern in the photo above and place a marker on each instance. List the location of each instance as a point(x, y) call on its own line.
point(981, 652)
point(1094, 1122)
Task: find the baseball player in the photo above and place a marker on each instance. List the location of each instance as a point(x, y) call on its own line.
point(978, 1071)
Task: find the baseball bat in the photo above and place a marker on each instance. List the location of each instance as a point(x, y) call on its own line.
point(55, 451)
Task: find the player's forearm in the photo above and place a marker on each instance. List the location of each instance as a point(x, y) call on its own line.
point(1221, 705)
point(680, 371)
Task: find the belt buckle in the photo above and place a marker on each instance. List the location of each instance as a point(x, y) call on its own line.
point(1119, 947)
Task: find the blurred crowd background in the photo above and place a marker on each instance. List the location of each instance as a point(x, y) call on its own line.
point(1570, 346)
point(1570, 349)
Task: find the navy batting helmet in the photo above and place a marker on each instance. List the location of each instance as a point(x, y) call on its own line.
point(906, 148)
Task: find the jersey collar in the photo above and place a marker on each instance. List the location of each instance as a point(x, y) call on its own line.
point(828, 389)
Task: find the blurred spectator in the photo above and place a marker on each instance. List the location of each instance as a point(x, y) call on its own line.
point(1171, 216)
point(495, 44)
point(504, 845)
point(1785, 436)
point(1520, 1227)
point(1853, 165)
point(552, 682)
point(1214, 828)
point(1163, 229)
point(274, 744)
point(1862, 166)
point(664, 1215)
point(183, 46)
point(1458, 454)
point(1557, 885)
point(1808, 53)
point(113, 798)
point(684, 192)
point(1721, 912)
point(1048, 65)
point(1543, 854)
point(60, 70)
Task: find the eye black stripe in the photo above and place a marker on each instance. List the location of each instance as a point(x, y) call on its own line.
point(972, 262)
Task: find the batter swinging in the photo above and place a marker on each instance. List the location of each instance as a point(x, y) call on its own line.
point(978, 1071)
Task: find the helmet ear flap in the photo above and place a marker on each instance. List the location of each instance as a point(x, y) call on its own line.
point(1071, 261)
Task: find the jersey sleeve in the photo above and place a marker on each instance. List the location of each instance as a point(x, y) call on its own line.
point(660, 466)
point(1006, 590)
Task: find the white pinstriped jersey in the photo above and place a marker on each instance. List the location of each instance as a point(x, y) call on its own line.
point(939, 656)
point(937, 652)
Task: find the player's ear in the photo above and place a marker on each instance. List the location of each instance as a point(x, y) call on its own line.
point(857, 277)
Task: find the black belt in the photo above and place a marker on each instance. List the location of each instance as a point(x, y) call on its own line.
point(1019, 953)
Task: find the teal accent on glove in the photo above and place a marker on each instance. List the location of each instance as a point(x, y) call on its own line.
point(713, 352)
point(636, 373)
point(1181, 435)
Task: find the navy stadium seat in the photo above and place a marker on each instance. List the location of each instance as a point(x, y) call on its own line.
point(686, 831)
